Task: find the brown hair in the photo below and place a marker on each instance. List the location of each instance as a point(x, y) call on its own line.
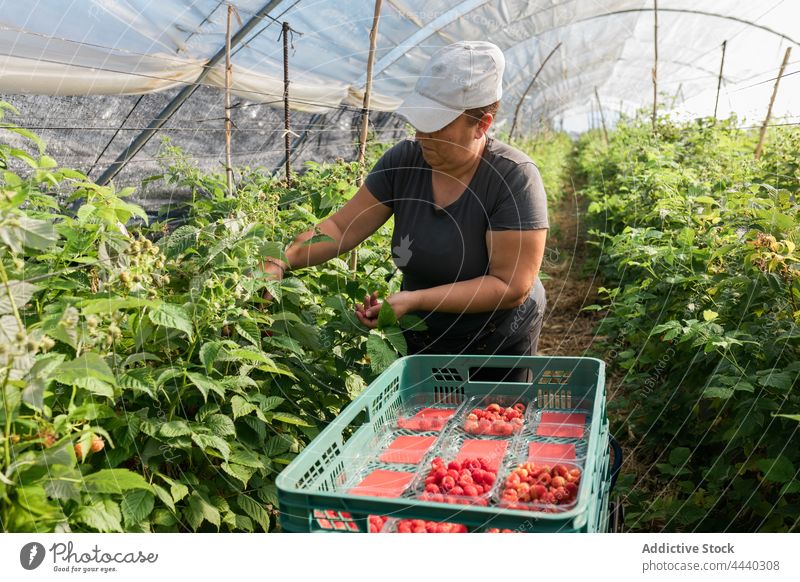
point(476, 114)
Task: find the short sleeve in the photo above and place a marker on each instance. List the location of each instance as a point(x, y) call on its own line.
point(521, 202)
point(382, 179)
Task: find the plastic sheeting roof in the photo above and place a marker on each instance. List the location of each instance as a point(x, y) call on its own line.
point(87, 47)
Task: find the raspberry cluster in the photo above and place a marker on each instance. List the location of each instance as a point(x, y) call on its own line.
point(541, 484)
point(422, 526)
point(495, 420)
point(459, 482)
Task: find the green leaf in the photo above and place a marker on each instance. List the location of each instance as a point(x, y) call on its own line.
point(31, 233)
point(114, 481)
point(249, 330)
point(381, 353)
point(397, 339)
point(208, 354)
point(208, 441)
point(89, 364)
point(789, 416)
point(136, 506)
point(679, 456)
point(95, 386)
point(103, 515)
point(114, 304)
point(254, 510)
point(318, 238)
point(781, 380)
point(179, 241)
point(172, 316)
point(247, 458)
point(164, 497)
point(239, 472)
point(289, 418)
point(206, 384)
point(386, 316)
point(177, 489)
point(718, 392)
point(220, 425)
point(778, 470)
point(175, 428)
point(241, 407)
point(413, 322)
point(21, 291)
point(278, 445)
point(201, 510)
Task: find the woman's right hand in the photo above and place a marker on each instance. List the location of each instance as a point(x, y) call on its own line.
point(361, 310)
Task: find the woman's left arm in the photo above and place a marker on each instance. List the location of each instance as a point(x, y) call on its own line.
point(515, 257)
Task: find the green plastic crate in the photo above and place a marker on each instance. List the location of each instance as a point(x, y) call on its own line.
point(309, 489)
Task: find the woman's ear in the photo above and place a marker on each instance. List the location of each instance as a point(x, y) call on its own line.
point(483, 125)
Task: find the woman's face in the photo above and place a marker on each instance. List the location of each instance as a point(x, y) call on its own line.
point(453, 145)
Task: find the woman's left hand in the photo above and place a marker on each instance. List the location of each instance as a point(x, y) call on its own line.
point(401, 303)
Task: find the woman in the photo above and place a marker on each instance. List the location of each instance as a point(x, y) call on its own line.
point(470, 218)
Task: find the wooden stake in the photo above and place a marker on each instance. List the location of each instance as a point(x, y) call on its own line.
point(373, 40)
point(362, 142)
point(655, 62)
point(719, 80)
point(528, 88)
point(286, 144)
point(228, 124)
point(761, 137)
point(602, 116)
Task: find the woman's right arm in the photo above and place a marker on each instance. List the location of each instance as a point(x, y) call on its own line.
point(360, 217)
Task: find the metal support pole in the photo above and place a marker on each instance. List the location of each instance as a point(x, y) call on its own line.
point(287, 145)
point(228, 74)
point(602, 117)
point(528, 88)
point(655, 62)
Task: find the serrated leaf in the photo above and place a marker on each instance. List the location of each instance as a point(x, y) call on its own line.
point(95, 386)
point(114, 481)
point(239, 472)
point(179, 241)
point(103, 515)
point(164, 496)
point(381, 353)
point(208, 354)
point(201, 510)
point(267, 403)
point(386, 316)
point(21, 291)
point(679, 456)
point(289, 418)
point(114, 304)
point(175, 428)
point(397, 339)
point(90, 364)
point(206, 384)
point(413, 322)
point(249, 330)
point(278, 445)
point(777, 470)
point(172, 316)
point(247, 458)
point(208, 441)
point(254, 510)
point(722, 392)
point(220, 425)
point(241, 407)
point(136, 506)
point(177, 489)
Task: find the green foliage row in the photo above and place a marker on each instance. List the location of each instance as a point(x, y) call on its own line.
point(698, 244)
point(146, 385)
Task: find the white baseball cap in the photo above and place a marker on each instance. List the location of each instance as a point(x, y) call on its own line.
point(460, 76)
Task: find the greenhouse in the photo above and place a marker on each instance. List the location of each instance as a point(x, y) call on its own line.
point(399, 266)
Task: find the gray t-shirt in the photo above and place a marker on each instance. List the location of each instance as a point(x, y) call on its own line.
point(441, 246)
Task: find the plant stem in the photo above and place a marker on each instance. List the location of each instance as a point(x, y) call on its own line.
point(7, 411)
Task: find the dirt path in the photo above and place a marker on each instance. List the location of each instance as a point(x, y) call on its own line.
point(568, 331)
